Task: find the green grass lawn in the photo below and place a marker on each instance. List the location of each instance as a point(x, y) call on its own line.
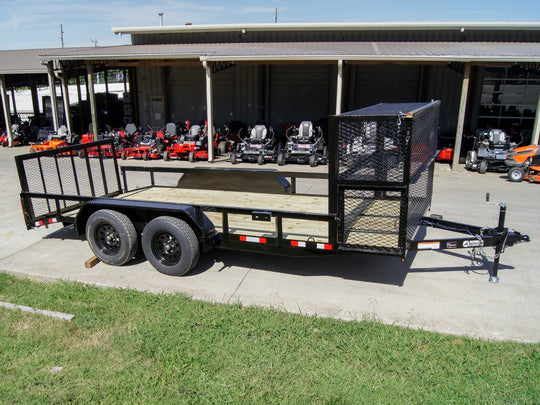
point(129, 347)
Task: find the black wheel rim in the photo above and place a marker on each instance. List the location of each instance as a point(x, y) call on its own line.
point(166, 249)
point(107, 239)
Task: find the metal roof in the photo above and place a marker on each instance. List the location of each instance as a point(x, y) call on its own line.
point(480, 52)
point(21, 61)
point(167, 29)
point(25, 61)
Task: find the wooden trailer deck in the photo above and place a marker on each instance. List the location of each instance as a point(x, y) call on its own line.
point(293, 229)
point(369, 223)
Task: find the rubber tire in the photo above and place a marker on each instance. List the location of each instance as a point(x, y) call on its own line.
point(280, 160)
point(124, 230)
point(233, 158)
point(312, 161)
point(145, 156)
point(482, 167)
point(166, 156)
point(184, 239)
point(123, 155)
point(260, 160)
point(516, 174)
point(191, 157)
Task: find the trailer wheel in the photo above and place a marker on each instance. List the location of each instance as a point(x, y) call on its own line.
point(260, 160)
point(111, 236)
point(313, 160)
point(280, 160)
point(516, 174)
point(166, 156)
point(170, 245)
point(482, 167)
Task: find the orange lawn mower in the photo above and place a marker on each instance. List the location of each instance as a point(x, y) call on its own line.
point(59, 139)
point(524, 164)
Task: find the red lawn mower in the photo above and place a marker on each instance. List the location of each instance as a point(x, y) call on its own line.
point(146, 147)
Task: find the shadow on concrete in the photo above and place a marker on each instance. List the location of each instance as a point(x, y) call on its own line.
point(65, 233)
point(369, 268)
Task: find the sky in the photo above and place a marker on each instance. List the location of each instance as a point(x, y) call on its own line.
point(31, 24)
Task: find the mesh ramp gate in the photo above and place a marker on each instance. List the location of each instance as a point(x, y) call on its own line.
point(381, 168)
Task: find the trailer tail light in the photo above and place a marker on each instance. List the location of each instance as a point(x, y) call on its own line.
point(253, 239)
point(46, 222)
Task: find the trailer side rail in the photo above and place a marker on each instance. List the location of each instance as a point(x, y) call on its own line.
point(56, 182)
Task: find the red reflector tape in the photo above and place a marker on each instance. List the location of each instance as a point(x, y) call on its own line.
point(324, 246)
point(297, 243)
point(254, 239)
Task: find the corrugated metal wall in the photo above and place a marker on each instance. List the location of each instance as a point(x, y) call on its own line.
point(375, 84)
point(236, 93)
point(298, 93)
point(339, 35)
point(443, 83)
point(149, 86)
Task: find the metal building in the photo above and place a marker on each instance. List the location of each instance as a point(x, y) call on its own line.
point(485, 74)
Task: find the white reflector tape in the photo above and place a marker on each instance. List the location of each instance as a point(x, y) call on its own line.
point(253, 239)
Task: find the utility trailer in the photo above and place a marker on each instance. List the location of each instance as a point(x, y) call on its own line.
point(379, 187)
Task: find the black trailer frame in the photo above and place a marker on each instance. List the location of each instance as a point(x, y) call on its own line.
point(381, 162)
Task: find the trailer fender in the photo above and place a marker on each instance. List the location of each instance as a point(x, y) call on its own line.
point(140, 213)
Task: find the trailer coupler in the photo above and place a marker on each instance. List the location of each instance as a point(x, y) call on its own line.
point(478, 237)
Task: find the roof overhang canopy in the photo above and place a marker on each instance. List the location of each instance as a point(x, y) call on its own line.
point(383, 52)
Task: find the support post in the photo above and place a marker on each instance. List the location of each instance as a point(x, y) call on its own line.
point(35, 100)
point(5, 104)
point(92, 98)
point(209, 111)
point(13, 102)
point(67, 109)
point(339, 87)
point(81, 110)
point(52, 90)
point(536, 129)
point(461, 115)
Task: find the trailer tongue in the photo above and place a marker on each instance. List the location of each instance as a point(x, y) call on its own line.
point(379, 186)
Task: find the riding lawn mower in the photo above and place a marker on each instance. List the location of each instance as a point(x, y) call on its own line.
point(524, 164)
point(305, 144)
point(489, 151)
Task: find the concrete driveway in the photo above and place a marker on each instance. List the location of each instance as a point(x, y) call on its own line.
point(447, 292)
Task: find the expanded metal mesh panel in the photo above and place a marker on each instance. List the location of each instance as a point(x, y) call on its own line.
point(371, 220)
point(384, 174)
point(372, 150)
point(424, 132)
point(420, 193)
point(65, 173)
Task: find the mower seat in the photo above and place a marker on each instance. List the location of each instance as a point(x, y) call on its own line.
point(304, 132)
point(498, 138)
point(170, 129)
point(130, 129)
point(258, 134)
point(194, 133)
